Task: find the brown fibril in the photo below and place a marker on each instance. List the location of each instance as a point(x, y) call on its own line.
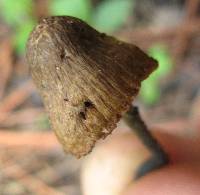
point(87, 79)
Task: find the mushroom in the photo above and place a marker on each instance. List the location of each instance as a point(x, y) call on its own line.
point(113, 164)
point(87, 79)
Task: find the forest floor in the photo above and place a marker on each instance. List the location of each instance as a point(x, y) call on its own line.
point(32, 161)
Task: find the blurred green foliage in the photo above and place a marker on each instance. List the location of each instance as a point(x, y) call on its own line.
point(14, 12)
point(108, 16)
point(150, 90)
point(21, 36)
point(18, 14)
point(42, 122)
point(112, 14)
point(78, 8)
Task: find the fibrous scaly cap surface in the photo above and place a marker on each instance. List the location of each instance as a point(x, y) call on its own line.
point(87, 79)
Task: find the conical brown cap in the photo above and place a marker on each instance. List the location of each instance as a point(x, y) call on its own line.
point(87, 79)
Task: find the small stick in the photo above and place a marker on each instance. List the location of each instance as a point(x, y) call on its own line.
point(160, 157)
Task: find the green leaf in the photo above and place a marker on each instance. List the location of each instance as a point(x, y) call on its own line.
point(15, 12)
point(21, 36)
point(111, 14)
point(77, 8)
point(150, 90)
point(160, 53)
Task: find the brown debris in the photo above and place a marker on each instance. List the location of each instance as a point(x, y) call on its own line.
point(31, 182)
point(5, 63)
point(156, 35)
point(30, 140)
point(87, 79)
point(183, 36)
point(14, 99)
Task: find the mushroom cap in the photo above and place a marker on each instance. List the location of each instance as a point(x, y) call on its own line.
point(87, 79)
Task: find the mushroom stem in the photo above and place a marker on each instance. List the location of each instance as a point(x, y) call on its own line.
point(159, 157)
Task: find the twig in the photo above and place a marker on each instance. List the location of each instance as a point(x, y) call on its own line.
point(192, 8)
point(152, 35)
point(17, 117)
point(160, 157)
point(16, 98)
point(5, 63)
point(183, 37)
point(36, 140)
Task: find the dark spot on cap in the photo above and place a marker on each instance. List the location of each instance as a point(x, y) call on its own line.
point(88, 104)
point(82, 114)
